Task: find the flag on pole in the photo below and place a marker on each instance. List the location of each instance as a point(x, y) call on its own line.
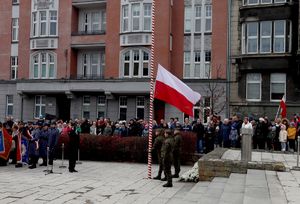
point(172, 90)
point(283, 107)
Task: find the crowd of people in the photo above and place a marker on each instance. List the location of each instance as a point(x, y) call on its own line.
point(32, 141)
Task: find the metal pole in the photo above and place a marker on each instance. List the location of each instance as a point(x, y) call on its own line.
point(151, 91)
point(62, 156)
point(78, 162)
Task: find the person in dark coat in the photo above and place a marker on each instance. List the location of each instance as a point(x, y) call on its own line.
point(33, 149)
point(199, 130)
point(74, 140)
point(259, 134)
point(177, 152)
point(224, 133)
point(158, 142)
point(167, 155)
point(43, 143)
point(52, 141)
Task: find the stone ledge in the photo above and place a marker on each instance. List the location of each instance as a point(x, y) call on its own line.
point(211, 165)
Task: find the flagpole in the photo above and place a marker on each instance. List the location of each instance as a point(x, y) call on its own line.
point(151, 91)
point(277, 112)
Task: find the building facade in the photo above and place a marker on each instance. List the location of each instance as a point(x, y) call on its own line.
point(91, 58)
point(264, 56)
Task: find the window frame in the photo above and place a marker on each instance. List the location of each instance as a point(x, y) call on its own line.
point(9, 104)
point(254, 82)
point(40, 64)
point(40, 105)
point(15, 30)
point(14, 63)
point(36, 23)
point(139, 106)
point(123, 106)
point(284, 82)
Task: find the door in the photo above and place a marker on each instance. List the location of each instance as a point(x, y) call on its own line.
point(63, 107)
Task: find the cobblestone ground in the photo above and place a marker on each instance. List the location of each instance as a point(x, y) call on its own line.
point(96, 182)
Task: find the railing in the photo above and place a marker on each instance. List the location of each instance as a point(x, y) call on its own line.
point(94, 32)
point(87, 77)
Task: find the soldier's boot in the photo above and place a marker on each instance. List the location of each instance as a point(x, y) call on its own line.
point(168, 185)
point(176, 175)
point(158, 177)
point(164, 179)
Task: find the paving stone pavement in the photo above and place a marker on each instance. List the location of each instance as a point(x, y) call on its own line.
point(111, 182)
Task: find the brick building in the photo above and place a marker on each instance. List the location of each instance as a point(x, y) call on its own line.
point(90, 58)
point(264, 56)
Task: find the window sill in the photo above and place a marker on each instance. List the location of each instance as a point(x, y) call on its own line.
point(78, 33)
point(255, 55)
point(245, 7)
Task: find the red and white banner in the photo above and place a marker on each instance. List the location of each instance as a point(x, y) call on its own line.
point(172, 90)
point(283, 107)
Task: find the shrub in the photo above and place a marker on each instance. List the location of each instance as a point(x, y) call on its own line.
point(130, 149)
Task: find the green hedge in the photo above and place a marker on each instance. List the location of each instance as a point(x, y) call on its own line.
point(130, 149)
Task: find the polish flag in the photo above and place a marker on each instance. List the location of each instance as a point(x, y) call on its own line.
point(283, 107)
point(170, 89)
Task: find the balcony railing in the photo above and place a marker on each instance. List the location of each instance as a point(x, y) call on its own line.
point(87, 77)
point(94, 32)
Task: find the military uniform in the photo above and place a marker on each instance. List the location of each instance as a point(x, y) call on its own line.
point(158, 142)
point(43, 143)
point(33, 148)
point(176, 153)
point(167, 155)
point(52, 141)
point(74, 140)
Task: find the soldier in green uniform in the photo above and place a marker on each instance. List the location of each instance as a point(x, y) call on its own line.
point(176, 152)
point(158, 142)
point(167, 155)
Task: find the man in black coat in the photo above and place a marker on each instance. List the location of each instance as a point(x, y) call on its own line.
point(74, 140)
point(52, 141)
point(199, 130)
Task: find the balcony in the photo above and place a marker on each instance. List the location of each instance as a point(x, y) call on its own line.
point(82, 40)
point(94, 32)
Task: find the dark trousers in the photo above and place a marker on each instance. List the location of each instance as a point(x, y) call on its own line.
point(51, 155)
point(161, 165)
point(167, 170)
point(270, 143)
point(176, 161)
point(72, 157)
point(291, 144)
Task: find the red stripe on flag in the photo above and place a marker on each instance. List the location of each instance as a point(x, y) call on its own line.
point(283, 108)
point(168, 94)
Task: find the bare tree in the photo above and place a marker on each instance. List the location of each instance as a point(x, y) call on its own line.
point(215, 89)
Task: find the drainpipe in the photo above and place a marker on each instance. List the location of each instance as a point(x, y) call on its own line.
point(228, 70)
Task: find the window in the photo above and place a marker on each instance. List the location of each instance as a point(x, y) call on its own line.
point(253, 87)
point(44, 23)
point(187, 64)
point(208, 18)
point(136, 17)
point(140, 107)
point(206, 109)
point(125, 20)
point(9, 105)
point(86, 114)
point(43, 65)
point(147, 17)
point(278, 86)
point(187, 19)
point(197, 19)
point(198, 66)
point(256, 2)
point(92, 21)
point(101, 100)
point(40, 106)
point(14, 67)
point(266, 37)
point(135, 63)
point(123, 108)
point(90, 65)
point(86, 100)
point(15, 30)
point(15, 2)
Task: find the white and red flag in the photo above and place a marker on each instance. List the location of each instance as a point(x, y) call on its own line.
point(172, 90)
point(283, 107)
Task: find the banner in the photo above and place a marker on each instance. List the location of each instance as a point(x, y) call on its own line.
point(7, 144)
point(24, 150)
